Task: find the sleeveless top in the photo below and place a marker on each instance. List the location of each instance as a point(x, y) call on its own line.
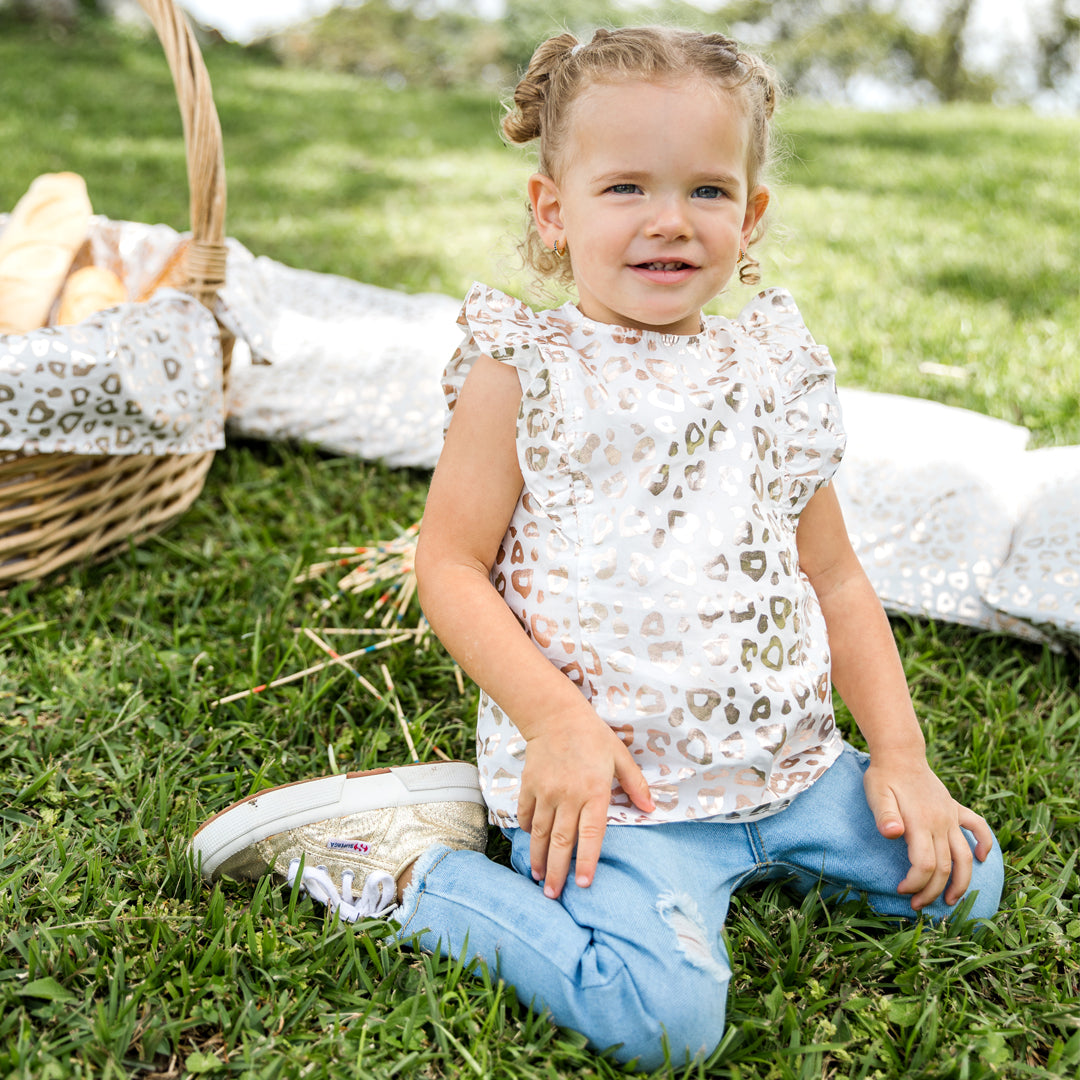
point(651, 556)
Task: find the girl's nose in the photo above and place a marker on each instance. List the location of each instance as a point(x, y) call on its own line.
point(670, 220)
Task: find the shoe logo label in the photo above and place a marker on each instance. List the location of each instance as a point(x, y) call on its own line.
point(357, 846)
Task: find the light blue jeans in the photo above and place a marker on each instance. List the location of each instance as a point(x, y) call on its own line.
point(638, 956)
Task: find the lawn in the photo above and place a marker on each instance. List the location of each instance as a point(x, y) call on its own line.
point(933, 251)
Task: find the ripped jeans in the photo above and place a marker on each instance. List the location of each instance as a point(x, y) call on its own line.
point(638, 955)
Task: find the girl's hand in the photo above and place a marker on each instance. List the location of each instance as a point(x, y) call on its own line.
point(907, 799)
point(566, 791)
point(904, 795)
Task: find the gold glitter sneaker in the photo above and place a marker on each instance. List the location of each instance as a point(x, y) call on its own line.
point(366, 825)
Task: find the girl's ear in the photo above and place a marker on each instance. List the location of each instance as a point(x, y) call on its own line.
point(547, 208)
point(756, 206)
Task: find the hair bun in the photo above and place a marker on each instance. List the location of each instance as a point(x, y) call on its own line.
point(524, 118)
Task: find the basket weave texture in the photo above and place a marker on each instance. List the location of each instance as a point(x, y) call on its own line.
point(56, 509)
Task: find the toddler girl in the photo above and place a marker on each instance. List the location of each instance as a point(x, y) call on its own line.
point(631, 545)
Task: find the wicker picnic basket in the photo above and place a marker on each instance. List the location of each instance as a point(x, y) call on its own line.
point(56, 509)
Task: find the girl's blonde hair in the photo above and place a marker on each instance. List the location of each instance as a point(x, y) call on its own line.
point(562, 67)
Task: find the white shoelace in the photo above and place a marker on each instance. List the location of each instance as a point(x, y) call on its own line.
point(377, 897)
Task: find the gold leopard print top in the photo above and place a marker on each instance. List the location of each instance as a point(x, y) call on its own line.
point(651, 556)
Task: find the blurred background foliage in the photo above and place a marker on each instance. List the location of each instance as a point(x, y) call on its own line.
point(831, 49)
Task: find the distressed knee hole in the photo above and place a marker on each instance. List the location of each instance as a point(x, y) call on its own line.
point(681, 913)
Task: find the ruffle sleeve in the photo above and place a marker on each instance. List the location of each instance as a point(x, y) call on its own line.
point(808, 412)
point(494, 325)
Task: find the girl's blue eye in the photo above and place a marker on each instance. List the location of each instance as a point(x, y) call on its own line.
point(709, 191)
point(623, 189)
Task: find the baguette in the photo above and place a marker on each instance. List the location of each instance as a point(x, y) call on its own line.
point(91, 289)
point(171, 274)
point(45, 231)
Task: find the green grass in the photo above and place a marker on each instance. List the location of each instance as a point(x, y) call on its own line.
point(942, 236)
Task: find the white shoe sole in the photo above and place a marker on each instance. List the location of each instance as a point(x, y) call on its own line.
point(306, 802)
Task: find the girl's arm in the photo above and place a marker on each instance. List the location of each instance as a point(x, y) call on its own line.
point(905, 796)
point(571, 754)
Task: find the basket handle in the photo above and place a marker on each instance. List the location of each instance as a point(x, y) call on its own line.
point(204, 259)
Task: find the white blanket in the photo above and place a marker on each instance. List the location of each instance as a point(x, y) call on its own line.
point(950, 514)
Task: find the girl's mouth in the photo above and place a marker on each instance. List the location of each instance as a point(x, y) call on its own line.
point(666, 266)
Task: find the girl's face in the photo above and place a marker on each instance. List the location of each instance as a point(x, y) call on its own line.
point(651, 201)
